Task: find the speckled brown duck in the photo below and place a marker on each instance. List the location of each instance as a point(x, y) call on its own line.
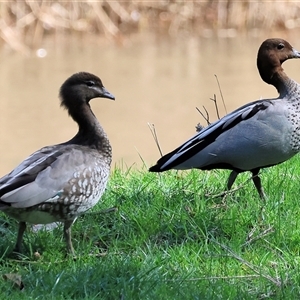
point(257, 135)
point(58, 183)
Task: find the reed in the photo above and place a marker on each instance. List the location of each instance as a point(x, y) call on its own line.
point(24, 23)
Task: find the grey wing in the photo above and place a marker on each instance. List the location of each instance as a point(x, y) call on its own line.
point(209, 134)
point(41, 177)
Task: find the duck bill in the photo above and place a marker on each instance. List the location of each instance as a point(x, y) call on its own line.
point(106, 94)
point(296, 54)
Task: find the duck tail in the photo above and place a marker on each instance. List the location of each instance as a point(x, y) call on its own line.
point(160, 165)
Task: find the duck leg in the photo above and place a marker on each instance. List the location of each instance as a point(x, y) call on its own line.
point(67, 235)
point(255, 178)
point(257, 182)
point(231, 179)
point(21, 230)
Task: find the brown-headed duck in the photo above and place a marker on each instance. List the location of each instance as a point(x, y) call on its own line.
point(58, 183)
point(257, 135)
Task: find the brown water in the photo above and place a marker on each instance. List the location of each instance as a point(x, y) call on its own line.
point(155, 79)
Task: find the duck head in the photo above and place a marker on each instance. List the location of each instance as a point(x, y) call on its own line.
point(271, 54)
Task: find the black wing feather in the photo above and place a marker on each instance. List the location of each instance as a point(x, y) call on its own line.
point(203, 139)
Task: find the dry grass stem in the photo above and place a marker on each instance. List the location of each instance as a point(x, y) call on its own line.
point(220, 90)
point(153, 132)
point(251, 266)
point(250, 276)
point(251, 238)
point(206, 118)
point(231, 191)
point(214, 99)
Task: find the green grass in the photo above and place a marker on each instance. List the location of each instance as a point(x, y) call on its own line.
point(169, 239)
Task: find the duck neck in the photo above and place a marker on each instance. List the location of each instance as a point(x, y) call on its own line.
point(283, 83)
point(276, 77)
point(90, 132)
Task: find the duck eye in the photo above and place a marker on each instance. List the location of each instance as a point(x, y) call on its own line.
point(280, 46)
point(90, 83)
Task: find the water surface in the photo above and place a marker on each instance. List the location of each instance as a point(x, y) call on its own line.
point(155, 79)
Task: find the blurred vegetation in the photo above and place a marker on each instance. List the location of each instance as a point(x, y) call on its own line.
point(24, 23)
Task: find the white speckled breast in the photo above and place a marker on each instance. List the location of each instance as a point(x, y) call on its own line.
point(293, 104)
point(81, 193)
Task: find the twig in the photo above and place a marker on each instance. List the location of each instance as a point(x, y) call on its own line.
point(254, 268)
point(40, 262)
point(228, 192)
point(224, 193)
point(221, 94)
point(207, 115)
point(251, 239)
point(221, 277)
point(206, 118)
point(216, 105)
point(153, 132)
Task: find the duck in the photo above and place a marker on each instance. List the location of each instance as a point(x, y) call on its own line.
point(260, 134)
point(59, 183)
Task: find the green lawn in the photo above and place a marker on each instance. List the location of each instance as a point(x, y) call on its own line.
point(170, 238)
